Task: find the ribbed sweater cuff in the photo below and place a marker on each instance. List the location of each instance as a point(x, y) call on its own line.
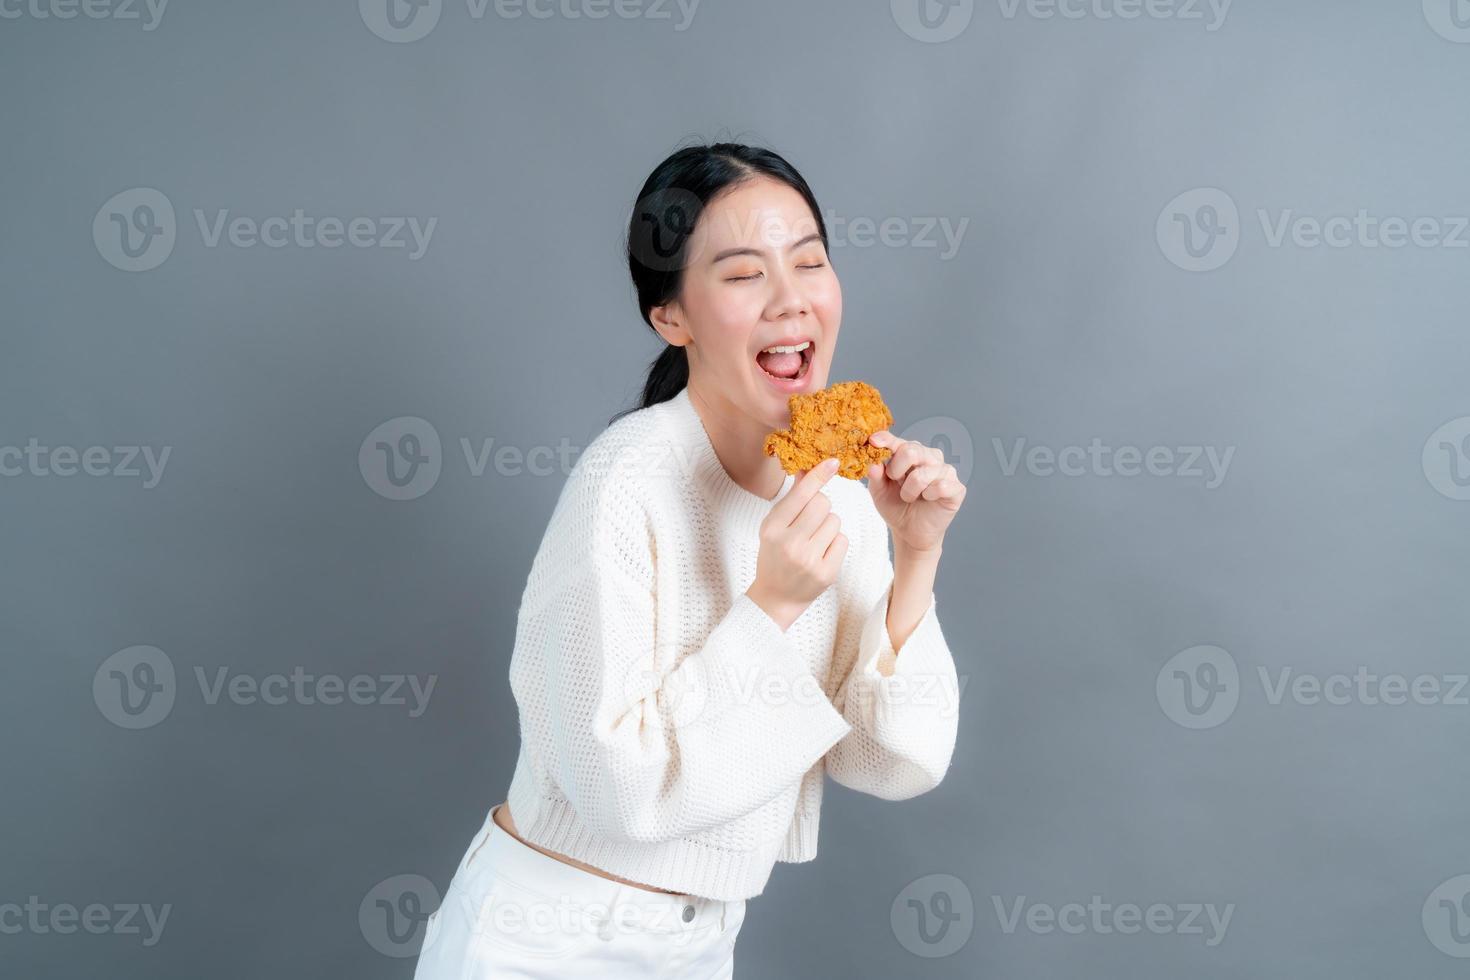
point(762, 673)
point(924, 652)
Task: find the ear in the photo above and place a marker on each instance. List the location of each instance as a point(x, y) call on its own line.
point(668, 320)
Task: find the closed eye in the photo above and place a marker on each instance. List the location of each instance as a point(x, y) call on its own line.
point(757, 275)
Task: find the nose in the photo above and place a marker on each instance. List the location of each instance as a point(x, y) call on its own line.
point(787, 298)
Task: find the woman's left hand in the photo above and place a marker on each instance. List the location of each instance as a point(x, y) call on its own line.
point(915, 490)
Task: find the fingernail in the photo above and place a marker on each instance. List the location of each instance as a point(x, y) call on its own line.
point(831, 464)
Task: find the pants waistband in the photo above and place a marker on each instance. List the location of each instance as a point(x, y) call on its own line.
point(509, 858)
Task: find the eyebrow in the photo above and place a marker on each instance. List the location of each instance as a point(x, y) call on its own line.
point(732, 252)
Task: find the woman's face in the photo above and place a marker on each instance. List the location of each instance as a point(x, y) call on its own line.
point(757, 276)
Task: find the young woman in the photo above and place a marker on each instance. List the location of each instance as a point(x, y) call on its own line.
point(702, 636)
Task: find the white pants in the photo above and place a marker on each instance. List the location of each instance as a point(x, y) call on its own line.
point(513, 912)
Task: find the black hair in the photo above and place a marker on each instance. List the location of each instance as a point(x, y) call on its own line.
point(663, 220)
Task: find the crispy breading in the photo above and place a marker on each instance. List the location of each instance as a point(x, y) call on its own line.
point(835, 421)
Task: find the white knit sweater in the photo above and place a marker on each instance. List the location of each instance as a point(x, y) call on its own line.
point(671, 732)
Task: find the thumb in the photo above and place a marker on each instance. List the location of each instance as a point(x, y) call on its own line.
point(877, 480)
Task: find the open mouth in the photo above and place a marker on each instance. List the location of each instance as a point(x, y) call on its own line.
point(788, 362)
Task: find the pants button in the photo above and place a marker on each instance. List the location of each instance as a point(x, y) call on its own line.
point(689, 913)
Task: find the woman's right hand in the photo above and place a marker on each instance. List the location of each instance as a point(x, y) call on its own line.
point(801, 548)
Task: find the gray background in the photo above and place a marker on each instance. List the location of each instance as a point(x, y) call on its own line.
point(1061, 318)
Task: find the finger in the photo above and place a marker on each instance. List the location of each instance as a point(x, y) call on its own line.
point(952, 495)
point(811, 515)
point(945, 485)
point(919, 479)
point(824, 533)
point(802, 490)
point(906, 456)
point(943, 488)
point(836, 551)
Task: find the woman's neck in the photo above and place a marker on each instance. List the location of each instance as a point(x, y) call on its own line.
point(738, 441)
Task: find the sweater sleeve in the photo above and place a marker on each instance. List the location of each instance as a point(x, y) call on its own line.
point(644, 748)
point(903, 705)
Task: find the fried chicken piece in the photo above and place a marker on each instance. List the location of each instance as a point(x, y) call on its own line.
point(835, 421)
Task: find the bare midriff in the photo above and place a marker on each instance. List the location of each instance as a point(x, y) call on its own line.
point(502, 817)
